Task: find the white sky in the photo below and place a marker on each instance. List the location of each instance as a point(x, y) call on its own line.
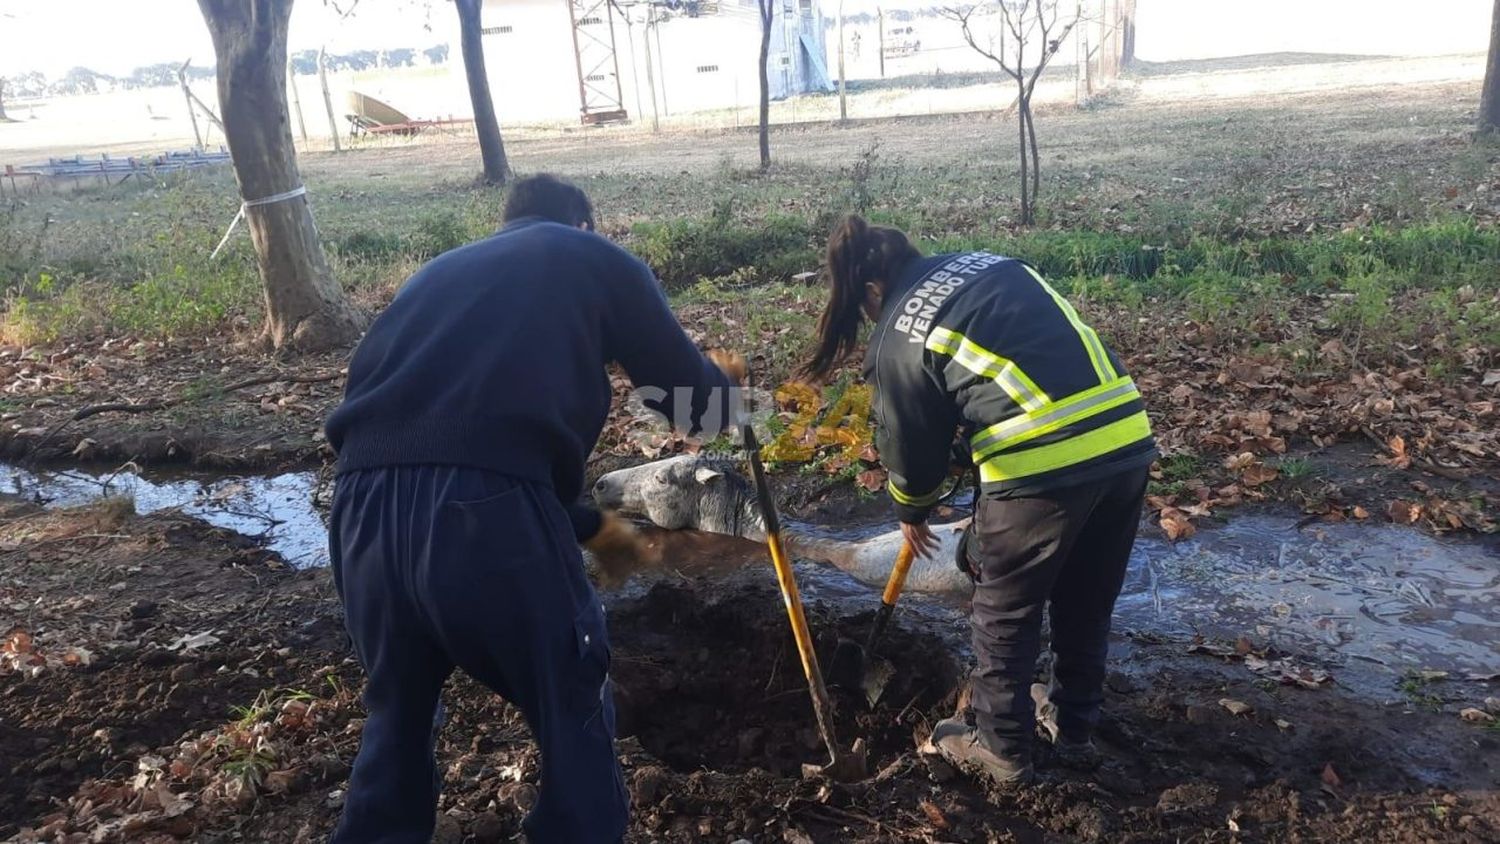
point(114, 36)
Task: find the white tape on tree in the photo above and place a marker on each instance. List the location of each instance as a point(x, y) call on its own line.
point(300, 190)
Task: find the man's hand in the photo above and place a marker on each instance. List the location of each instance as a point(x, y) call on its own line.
point(620, 550)
point(921, 539)
point(732, 364)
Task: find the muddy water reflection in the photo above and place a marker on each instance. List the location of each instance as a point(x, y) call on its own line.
point(274, 509)
point(1374, 593)
point(1351, 594)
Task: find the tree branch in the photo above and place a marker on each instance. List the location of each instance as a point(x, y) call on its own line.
point(962, 16)
point(1052, 48)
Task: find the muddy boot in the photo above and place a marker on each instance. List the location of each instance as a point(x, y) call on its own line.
point(1078, 755)
point(961, 744)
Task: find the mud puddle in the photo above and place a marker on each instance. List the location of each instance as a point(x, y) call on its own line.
point(1342, 594)
point(1382, 597)
point(1373, 603)
point(275, 510)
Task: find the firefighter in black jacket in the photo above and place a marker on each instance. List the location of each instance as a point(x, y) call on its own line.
point(982, 345)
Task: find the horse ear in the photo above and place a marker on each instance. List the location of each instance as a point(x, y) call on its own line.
point(704, 474)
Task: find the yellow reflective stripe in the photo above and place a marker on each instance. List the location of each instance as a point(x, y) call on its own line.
point(912, 500)
point(1069, 452)
point(986, 364)
point(1091, 343)
point(944, 341)
point(1075, 408)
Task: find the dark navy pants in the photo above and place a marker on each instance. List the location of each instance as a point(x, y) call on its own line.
point(441, 568)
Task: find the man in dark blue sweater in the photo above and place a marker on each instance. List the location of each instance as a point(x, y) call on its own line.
point(471, 407)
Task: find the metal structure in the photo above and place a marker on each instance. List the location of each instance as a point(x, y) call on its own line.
point(600, 96)
point(78, 168)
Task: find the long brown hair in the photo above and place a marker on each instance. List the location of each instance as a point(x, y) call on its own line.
point(858, 253)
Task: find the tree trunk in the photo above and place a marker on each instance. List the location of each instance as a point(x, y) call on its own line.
point(1127, 33)
point(3, 118)
point(305, 308)
point(1023, 116)
point(491, 146)
point(1489, 101)
point(1036, 159)
point(767, 15)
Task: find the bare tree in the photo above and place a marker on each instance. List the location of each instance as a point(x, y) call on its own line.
point(1038, 27)
point(1127, 35)
point(305, 308)
point(767, 15)
point(1489, 100)
point(3, 118)
point(491, 145)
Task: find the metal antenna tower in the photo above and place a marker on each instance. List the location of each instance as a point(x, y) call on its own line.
point(600, 95)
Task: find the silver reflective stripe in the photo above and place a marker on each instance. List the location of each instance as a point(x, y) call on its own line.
point(987, 364)
point(1010, 429)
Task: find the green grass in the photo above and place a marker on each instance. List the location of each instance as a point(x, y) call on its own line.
point(1416, 690)
point(134, 261)
point(1297, 468)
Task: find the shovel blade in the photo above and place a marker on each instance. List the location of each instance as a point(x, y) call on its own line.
point(878, 675)
point(846, 766)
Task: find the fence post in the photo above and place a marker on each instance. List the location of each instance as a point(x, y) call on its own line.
point(333, 124)
point(291, 78)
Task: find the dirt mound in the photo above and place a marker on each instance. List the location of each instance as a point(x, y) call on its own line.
point(719, 686)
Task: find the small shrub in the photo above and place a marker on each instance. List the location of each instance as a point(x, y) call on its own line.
point(685, 250)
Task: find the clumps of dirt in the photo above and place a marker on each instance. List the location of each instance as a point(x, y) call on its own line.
point(718, 685)
point(222, 705)
point(126, 631)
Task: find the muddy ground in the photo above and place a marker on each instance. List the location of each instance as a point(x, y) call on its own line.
point(164, 680)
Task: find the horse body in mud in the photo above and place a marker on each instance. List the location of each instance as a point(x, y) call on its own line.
point(694, 492)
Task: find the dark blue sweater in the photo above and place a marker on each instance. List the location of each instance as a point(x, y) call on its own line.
point(493, 356)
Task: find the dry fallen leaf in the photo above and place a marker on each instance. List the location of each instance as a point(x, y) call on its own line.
point(1176, 524)
point(17, 641)
point(1361, 513)
point(78, 657)
point(1476, 716)
point(1404, 512)
point(1399, 457)
point(1240, 462)
point(1331, 777)
point(1236, 707)
point(935, 815)
point(871, 479)
point(1258, 474)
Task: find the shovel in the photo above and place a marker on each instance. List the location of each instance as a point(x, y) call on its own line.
point(843, 766)
point(853, 665)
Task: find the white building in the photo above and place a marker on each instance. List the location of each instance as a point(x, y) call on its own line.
point(702, 54)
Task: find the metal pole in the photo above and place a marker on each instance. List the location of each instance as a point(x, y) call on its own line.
point(635, 73)
point(291, 78)
point(333, 124)
point(187, 94)
point(880, 22)
point(843, 106)
point(583, 93)
point(609, 17)
point(650, 74)
point(661, 59)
